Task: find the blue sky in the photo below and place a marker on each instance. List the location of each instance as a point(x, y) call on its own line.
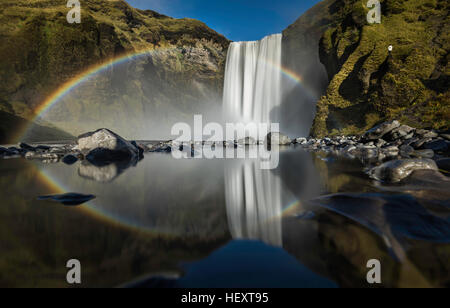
point(238, 20)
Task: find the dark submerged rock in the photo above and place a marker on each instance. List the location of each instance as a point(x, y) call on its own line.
point(69, 199)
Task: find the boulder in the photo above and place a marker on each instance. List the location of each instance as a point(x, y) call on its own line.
point(277, 139)
point(381, 130)
point(426, 133)
point(301, 141)
point(397, 170)
point(437, 145)
point(401, 132)
point(423, 153)
point(406, 151)
point(27, 147)
point(107, 145)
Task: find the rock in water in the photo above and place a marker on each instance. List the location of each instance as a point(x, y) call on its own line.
point(27, 147)
point(397, 170)
point(70, 199)
point(278, 138)
point(107, 145)
point(381, 130)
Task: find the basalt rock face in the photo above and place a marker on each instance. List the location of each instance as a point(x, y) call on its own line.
point(368, 84)
point(180, 73)
point(301, 56)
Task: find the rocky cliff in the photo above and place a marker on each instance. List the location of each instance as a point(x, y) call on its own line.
point(40, 51)
point(368, 84)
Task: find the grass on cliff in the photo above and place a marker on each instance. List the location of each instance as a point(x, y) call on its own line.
point(368, 84)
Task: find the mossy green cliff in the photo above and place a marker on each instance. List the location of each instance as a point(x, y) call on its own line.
point(40, 51)
point(368, 84)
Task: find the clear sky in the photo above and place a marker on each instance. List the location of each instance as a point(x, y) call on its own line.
point(238, 20)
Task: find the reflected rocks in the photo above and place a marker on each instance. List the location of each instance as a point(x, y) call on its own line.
point(103, 172)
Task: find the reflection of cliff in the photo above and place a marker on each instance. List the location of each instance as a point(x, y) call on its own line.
point(254, 203)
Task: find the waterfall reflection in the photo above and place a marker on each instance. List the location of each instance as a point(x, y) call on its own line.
point(254, 202)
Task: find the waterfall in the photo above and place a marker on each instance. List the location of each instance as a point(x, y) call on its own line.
point(254, 203)
point(252, 89)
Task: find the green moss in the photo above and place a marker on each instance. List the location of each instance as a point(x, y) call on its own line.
point(363, 73)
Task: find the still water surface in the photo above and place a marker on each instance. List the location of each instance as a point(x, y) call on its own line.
point(220, 223)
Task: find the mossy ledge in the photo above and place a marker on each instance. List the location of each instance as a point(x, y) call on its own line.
point(368, 84)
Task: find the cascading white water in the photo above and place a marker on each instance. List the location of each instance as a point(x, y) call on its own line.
point(252, 87)
point(254, 204)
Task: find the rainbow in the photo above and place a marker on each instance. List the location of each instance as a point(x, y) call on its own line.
point(94, 70)
point(79, 79)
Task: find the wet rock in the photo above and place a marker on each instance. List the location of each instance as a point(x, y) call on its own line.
point(437, 145)
point(277, 139)
point(102, 156)
point(402, 132)
point(444, 165)
point(247, 141)
point(397, 170)
point(418, 144)
point(43, 148)
point(70, 199)
point(107, 145)
point(426, 133)
point(160, 148)
point(423, 153)
point(42, 156)
point(139, 147)
point(381, 130)
point(27, 147)
point(445, 136)
point(394, 217)
point(406, 151)
point(3, 150)
point(69, 159)
point(380, 143)
point(301, 141)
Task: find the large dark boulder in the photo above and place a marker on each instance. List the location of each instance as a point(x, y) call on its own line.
point(104, 144)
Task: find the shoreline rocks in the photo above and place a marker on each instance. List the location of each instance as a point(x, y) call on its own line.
point(408, 148)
